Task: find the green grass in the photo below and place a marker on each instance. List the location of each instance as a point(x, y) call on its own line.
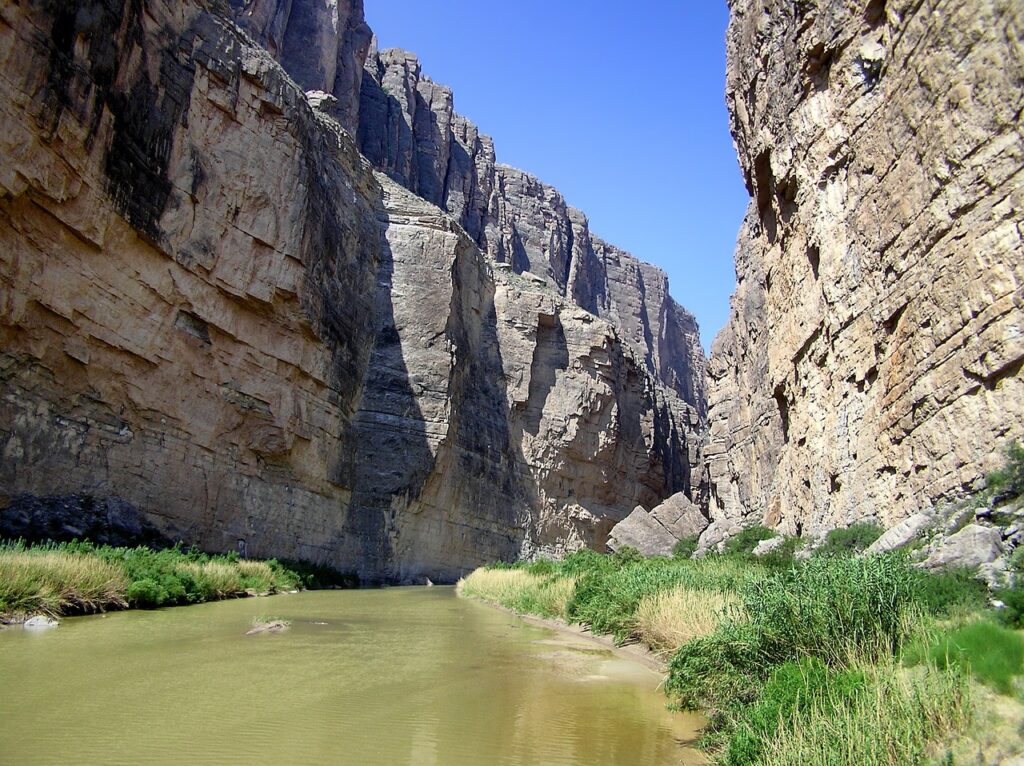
point(1009, 480)
point(792, 661)
point(76, 577)
point(850, 540)
point(872, 714)
point(993, 654)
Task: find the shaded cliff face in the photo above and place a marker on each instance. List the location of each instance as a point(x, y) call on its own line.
point(220, 325)
point(408, 128)
point(322, 44)
point(872, 362)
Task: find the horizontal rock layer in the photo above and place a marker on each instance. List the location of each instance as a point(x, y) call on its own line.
point(218, 320)
point(872, 362)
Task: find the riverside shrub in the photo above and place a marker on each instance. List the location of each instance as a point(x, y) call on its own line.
point(138, 577)
point(832, 609)
point(849, 541)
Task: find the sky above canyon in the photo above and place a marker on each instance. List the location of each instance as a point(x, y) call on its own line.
point(621, 106)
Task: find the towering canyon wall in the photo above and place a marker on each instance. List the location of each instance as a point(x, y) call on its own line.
point(871, 366)
point(409, 129)
point(220, 324)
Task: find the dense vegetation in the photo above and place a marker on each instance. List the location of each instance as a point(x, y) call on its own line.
point(79, 577)
point(835, 659)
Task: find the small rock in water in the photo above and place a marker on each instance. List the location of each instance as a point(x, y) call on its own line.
point(40, 622)
point(275, 626)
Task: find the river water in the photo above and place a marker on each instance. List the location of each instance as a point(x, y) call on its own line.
point(383, 677)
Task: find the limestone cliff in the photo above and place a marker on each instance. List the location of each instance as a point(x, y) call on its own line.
point(872, 363)
point(408, 128)
point(215, 315)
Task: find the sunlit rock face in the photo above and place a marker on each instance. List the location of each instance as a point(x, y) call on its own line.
point(222, 324)
point(872, 363)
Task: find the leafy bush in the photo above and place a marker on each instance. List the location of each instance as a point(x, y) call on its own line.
point(685, 548)
point(850, 540)
point(784, 555)
point(1012, 615)
point(942, 593)
point(747, 540)
point(1010, 479)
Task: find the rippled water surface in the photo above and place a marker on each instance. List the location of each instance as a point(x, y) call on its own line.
point(394, 676)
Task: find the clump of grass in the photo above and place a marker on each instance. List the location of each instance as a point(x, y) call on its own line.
point(829, 608)
point(58, 582)
point(665, 620)
point(793, 689)
point(892, 718)
point(993, 654)
point(520, 590)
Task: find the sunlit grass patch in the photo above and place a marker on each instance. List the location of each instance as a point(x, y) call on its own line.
point(56, 582)
point(520, 590)
point(665, 620)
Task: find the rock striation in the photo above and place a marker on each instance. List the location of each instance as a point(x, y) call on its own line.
point(221, 324)
point(871, 366)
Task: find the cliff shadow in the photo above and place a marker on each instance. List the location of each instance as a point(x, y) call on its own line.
point(385, 453)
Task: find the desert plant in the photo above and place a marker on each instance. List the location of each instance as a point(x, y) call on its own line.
point(848, 541)
point(747, 540)
point(1009, 480)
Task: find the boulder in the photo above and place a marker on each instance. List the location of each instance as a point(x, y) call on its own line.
point(641, 530)
point(972, 546)
point(40, 622)
point(655, 532)
point(902, 534)
point(765, 547)
point(680, 516)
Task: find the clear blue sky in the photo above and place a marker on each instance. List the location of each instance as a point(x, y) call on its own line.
point(621, 106)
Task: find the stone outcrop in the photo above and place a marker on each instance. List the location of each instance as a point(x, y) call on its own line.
point(656, 532)
point(218, 321)
point(322, 44)
point(971, 547)
point(872, 362)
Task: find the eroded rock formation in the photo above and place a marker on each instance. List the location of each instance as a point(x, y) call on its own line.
point(872, 363)
point(219, 319)
point(409, 129)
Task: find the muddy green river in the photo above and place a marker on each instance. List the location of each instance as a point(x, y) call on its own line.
point(394, 676)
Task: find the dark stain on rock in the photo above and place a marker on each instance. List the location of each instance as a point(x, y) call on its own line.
point(98, 63)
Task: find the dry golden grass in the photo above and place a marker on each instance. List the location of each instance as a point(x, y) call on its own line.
point(667, 619)
point(57, 582)
point(519, 590)
point(218, 578)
